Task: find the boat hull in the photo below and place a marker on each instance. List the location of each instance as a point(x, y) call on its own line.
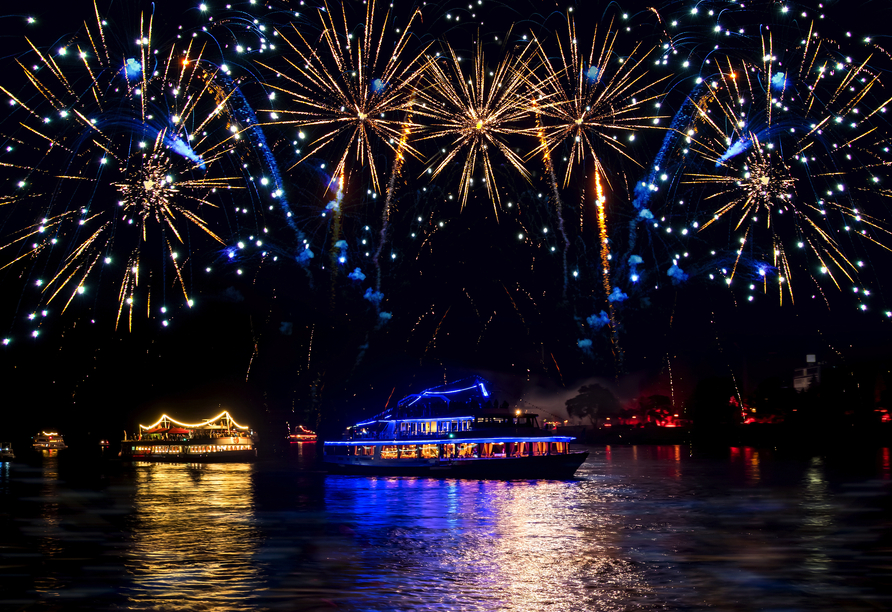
point(185, 453)
point(557, 467)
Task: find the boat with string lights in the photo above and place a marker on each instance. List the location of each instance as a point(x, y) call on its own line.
point(301, 435)
point(49, 441)
point(6, 453)
point(218, 439)
point(455, 430)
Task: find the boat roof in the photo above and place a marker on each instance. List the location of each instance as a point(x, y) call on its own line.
point(436, 401)
point(222, 421)
point(462, 390)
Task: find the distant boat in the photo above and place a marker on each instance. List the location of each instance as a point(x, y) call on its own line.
point(6, 453)
point(301, 434)
point(213, 440)
point(48, 441)
point(453, 431)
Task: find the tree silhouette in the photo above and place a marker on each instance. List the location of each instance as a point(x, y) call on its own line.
point(593, 401)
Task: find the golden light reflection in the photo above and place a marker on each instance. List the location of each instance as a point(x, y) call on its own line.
point(49, 525)
point(531, 559)
point(195, 545)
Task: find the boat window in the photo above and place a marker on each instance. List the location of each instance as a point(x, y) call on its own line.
point(449, 449)
point(498, 450)
point(338, 449)
point(538, 448)
point(430, 451)
point(558, 448)
point(519, 449)
point(365, 450)
point(408, 451)
point(388, 452)
point(467, 450)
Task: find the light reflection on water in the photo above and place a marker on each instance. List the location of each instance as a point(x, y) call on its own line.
point(641, 528)
point(482, 545)
point(194, 538)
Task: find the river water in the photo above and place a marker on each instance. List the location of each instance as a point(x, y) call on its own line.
point(640, 528)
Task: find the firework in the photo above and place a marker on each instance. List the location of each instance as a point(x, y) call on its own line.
point(792, 150)
point(593, 103)
point(351, 90)
point(118, 155)
point(590, 104)
point(477, 112)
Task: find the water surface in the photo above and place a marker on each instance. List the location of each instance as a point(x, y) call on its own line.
point(640, 528)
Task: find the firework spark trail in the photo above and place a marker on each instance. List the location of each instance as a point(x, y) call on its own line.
point(601, 204)
point(255, 339)
point(310, 346)
point(241, 108)
point(477, 112)
point(433, 339)
point(388, 201)
point(555, 193)
point(335, 250)
point(343, 88)
point(646, 187)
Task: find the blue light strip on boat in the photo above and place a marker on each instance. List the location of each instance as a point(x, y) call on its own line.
point(427, 420)
point(447, 441)
point(431, 392)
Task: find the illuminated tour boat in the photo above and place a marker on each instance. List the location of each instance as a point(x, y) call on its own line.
point(48, 440)
point(301, 434)
point(213, 440)
point(453, 430)
point(6, 453)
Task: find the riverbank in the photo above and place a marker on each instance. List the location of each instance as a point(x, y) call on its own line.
point(789, 435)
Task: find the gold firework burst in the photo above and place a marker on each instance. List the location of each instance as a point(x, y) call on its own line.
point(352, 90)
point(588, 101)
point(477, 112)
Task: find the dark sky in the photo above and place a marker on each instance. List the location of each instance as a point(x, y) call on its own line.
point(465, 292)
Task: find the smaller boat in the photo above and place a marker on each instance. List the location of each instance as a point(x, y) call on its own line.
point(213, 440)
point(48, 440)
point(6, 453)
point(301, 434)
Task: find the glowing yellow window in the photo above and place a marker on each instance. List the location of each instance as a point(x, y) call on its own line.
point(388, 452)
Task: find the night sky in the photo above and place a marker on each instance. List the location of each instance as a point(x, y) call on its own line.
point(274, 335)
